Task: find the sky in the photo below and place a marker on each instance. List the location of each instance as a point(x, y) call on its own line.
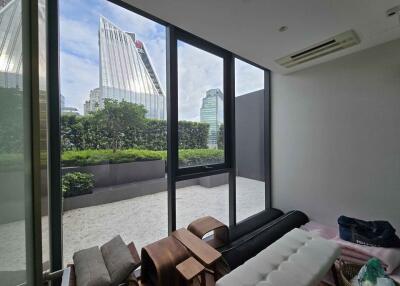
point(198, 70)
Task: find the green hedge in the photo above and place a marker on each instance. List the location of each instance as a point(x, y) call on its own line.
point(123, 126)
point(11, 162)
point(98, 157)
point(187, 157)
point(76, 184)
point(196, 157)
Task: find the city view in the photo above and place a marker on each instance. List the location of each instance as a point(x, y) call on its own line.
point(114, 127)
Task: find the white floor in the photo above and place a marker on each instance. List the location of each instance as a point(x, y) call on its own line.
point(141, 220)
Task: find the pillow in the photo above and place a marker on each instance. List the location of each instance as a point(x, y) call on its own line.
point(118, 260)
point(90, 269)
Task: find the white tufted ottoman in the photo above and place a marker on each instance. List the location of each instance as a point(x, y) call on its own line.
point(299, 258)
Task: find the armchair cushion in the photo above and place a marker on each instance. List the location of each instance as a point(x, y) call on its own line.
point(90, 268)
point(118, 260)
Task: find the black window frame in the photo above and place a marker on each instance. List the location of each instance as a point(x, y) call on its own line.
point(184, 173)
point(173, 34)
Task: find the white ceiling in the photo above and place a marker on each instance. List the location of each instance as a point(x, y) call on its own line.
point(249, 28)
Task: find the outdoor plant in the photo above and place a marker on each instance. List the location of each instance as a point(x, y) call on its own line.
point(187, 157)
point(98, 157)
point(122, 125)
point(77, 183)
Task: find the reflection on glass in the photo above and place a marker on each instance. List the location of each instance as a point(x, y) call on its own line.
point(43, 132)
point(249, 136)
point(206, 196)
point(113, 127)
point(200, 107)
point(14, 139)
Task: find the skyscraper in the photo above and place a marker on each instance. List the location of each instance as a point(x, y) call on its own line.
point(212, 112)
point(126, 71)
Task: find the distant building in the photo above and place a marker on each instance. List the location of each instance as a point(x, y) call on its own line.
point(62, 101)
point(212, 112)
point(94, 103)
point(70, 111)
point(126, 71)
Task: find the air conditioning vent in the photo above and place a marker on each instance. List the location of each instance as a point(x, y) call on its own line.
point(329, 46)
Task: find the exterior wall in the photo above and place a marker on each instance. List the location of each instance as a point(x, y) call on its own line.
point(249, 109)
point(336, 138)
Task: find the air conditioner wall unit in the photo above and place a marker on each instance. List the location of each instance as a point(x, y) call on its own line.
point(339, 42)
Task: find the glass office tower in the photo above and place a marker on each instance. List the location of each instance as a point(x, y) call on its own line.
point(212, 112)
point(126, 71)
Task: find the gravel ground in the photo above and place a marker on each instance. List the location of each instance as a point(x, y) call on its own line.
point(141, 220)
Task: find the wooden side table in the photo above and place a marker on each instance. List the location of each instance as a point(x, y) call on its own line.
point(190, 269)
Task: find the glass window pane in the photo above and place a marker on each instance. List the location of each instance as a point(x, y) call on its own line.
point(249, 133)
point(15, 143)
point(200, 107)
point(206, 196)
point(113, 125)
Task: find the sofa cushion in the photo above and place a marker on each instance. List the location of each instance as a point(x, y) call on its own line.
point(90, 269)
point(118, 260)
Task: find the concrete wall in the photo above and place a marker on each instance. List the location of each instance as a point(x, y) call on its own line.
point(249, 109)
point(336, 137)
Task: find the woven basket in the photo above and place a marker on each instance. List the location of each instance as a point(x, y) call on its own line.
point(347, 271)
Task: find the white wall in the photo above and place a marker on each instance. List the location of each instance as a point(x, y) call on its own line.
point(336, 137)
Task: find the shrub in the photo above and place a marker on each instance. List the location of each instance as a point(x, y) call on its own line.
point(11, 162)
point(98, 157)
point(196, 157)
point(122, 125)
point(76, 184)
point(187, 157)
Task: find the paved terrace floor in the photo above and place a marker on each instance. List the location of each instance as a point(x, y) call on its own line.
point(141, 219)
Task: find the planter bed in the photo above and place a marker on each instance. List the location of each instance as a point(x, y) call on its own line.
point(106, 175)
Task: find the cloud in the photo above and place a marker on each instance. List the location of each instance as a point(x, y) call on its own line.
point(248, 78)
point(78, 77)
point(198, 70)
point(79, 39)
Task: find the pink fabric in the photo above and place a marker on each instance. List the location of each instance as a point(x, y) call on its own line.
point(390, 257)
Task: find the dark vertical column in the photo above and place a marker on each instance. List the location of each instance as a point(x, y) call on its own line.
point(230, 139)
point(267, 139)
point(31, 121)
point(172, 124)
point(55, 194)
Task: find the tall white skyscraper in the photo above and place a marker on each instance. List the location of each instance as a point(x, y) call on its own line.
point(126, 71)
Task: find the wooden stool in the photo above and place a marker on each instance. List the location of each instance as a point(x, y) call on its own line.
point(190, 269)
point(207, 224)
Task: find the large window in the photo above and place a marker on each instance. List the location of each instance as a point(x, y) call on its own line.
point(151, 134)
point(113, 125)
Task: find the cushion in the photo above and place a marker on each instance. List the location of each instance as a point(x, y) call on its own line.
point(90, 269)
point(118, 260)
point(297, 259)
